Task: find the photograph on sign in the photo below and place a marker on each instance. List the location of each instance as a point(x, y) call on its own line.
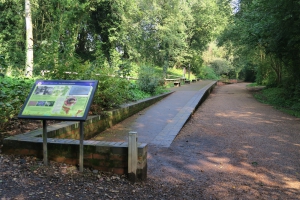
point(59, 99)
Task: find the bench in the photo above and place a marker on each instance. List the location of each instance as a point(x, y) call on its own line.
point(193, 80)
point(176, 81)
point(182, 79)
point(177, 84)
point(187, 81)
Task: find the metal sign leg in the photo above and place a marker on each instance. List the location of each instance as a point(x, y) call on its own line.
point(45, 149)
point(81, 147)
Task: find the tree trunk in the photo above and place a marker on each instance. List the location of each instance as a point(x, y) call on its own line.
point(29, 40)
point(276, 65)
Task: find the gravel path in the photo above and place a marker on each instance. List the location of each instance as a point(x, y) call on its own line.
point(232, 148)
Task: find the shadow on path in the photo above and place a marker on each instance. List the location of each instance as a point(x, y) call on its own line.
point(233, 147)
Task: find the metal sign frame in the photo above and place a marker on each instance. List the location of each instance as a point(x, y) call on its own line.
point(66, 100)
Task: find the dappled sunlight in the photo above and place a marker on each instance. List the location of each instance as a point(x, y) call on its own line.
point(244, 117)
point(218, 124)
point(241, 151)
point(235, 152)
point(245, 164)
point(260, 176)
point(248, 147)
point(276, 153)
point(218, 160)
point(234, 168)
point(279, 139)
point(245, 169)
point(293, 184)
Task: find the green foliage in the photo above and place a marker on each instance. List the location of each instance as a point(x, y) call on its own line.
point(148, 81)
point(12, 96)
point(2, 64)
point(57, 26)
point(208, 73)
point(266, 34)
point(252, 85)
point(161, 89)
point(111, 93)
point(67, 33)
point(136, 94)
point(105, 40)
point(196, 64)
point(223, 61)
point(221, 66)
point(12, 35)
point(178, 72)
point(281, 99)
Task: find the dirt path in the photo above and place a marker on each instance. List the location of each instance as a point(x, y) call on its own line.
point(232, 148)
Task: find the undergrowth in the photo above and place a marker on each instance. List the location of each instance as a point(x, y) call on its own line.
point(13, 94)
point(281, 99)
point(111, 93)
point(252, 85)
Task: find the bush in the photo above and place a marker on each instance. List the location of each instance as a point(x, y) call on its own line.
point(148, 80)
point(136, 94)
point(208, 73)
point(111, 92)
point(13, 94)
point(281, 99)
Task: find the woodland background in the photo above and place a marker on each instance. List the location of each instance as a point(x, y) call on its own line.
point(112, 40)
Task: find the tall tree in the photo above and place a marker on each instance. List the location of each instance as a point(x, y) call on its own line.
point(29, 40)
point(270, 27)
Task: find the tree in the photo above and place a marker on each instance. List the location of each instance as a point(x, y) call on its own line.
point(207, 19)
point(221, 66)
point(70, 35)
point(12, 34)
point(29, 40)
point(271, 29)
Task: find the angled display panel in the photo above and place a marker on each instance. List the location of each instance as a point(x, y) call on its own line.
point(59, 100)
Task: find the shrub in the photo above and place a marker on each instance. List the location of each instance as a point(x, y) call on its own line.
point(208, 73)
point(111, 92)
point(148, 80)
point(136, 94)
point(13, 94)
point(281, 99)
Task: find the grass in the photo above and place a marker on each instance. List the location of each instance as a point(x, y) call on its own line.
point(173, 72)
point(253, 85)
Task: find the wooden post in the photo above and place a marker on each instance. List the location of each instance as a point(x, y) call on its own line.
point(132, 156)
point(45, 149)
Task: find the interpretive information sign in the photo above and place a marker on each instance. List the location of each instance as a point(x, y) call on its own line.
point(59, 100)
